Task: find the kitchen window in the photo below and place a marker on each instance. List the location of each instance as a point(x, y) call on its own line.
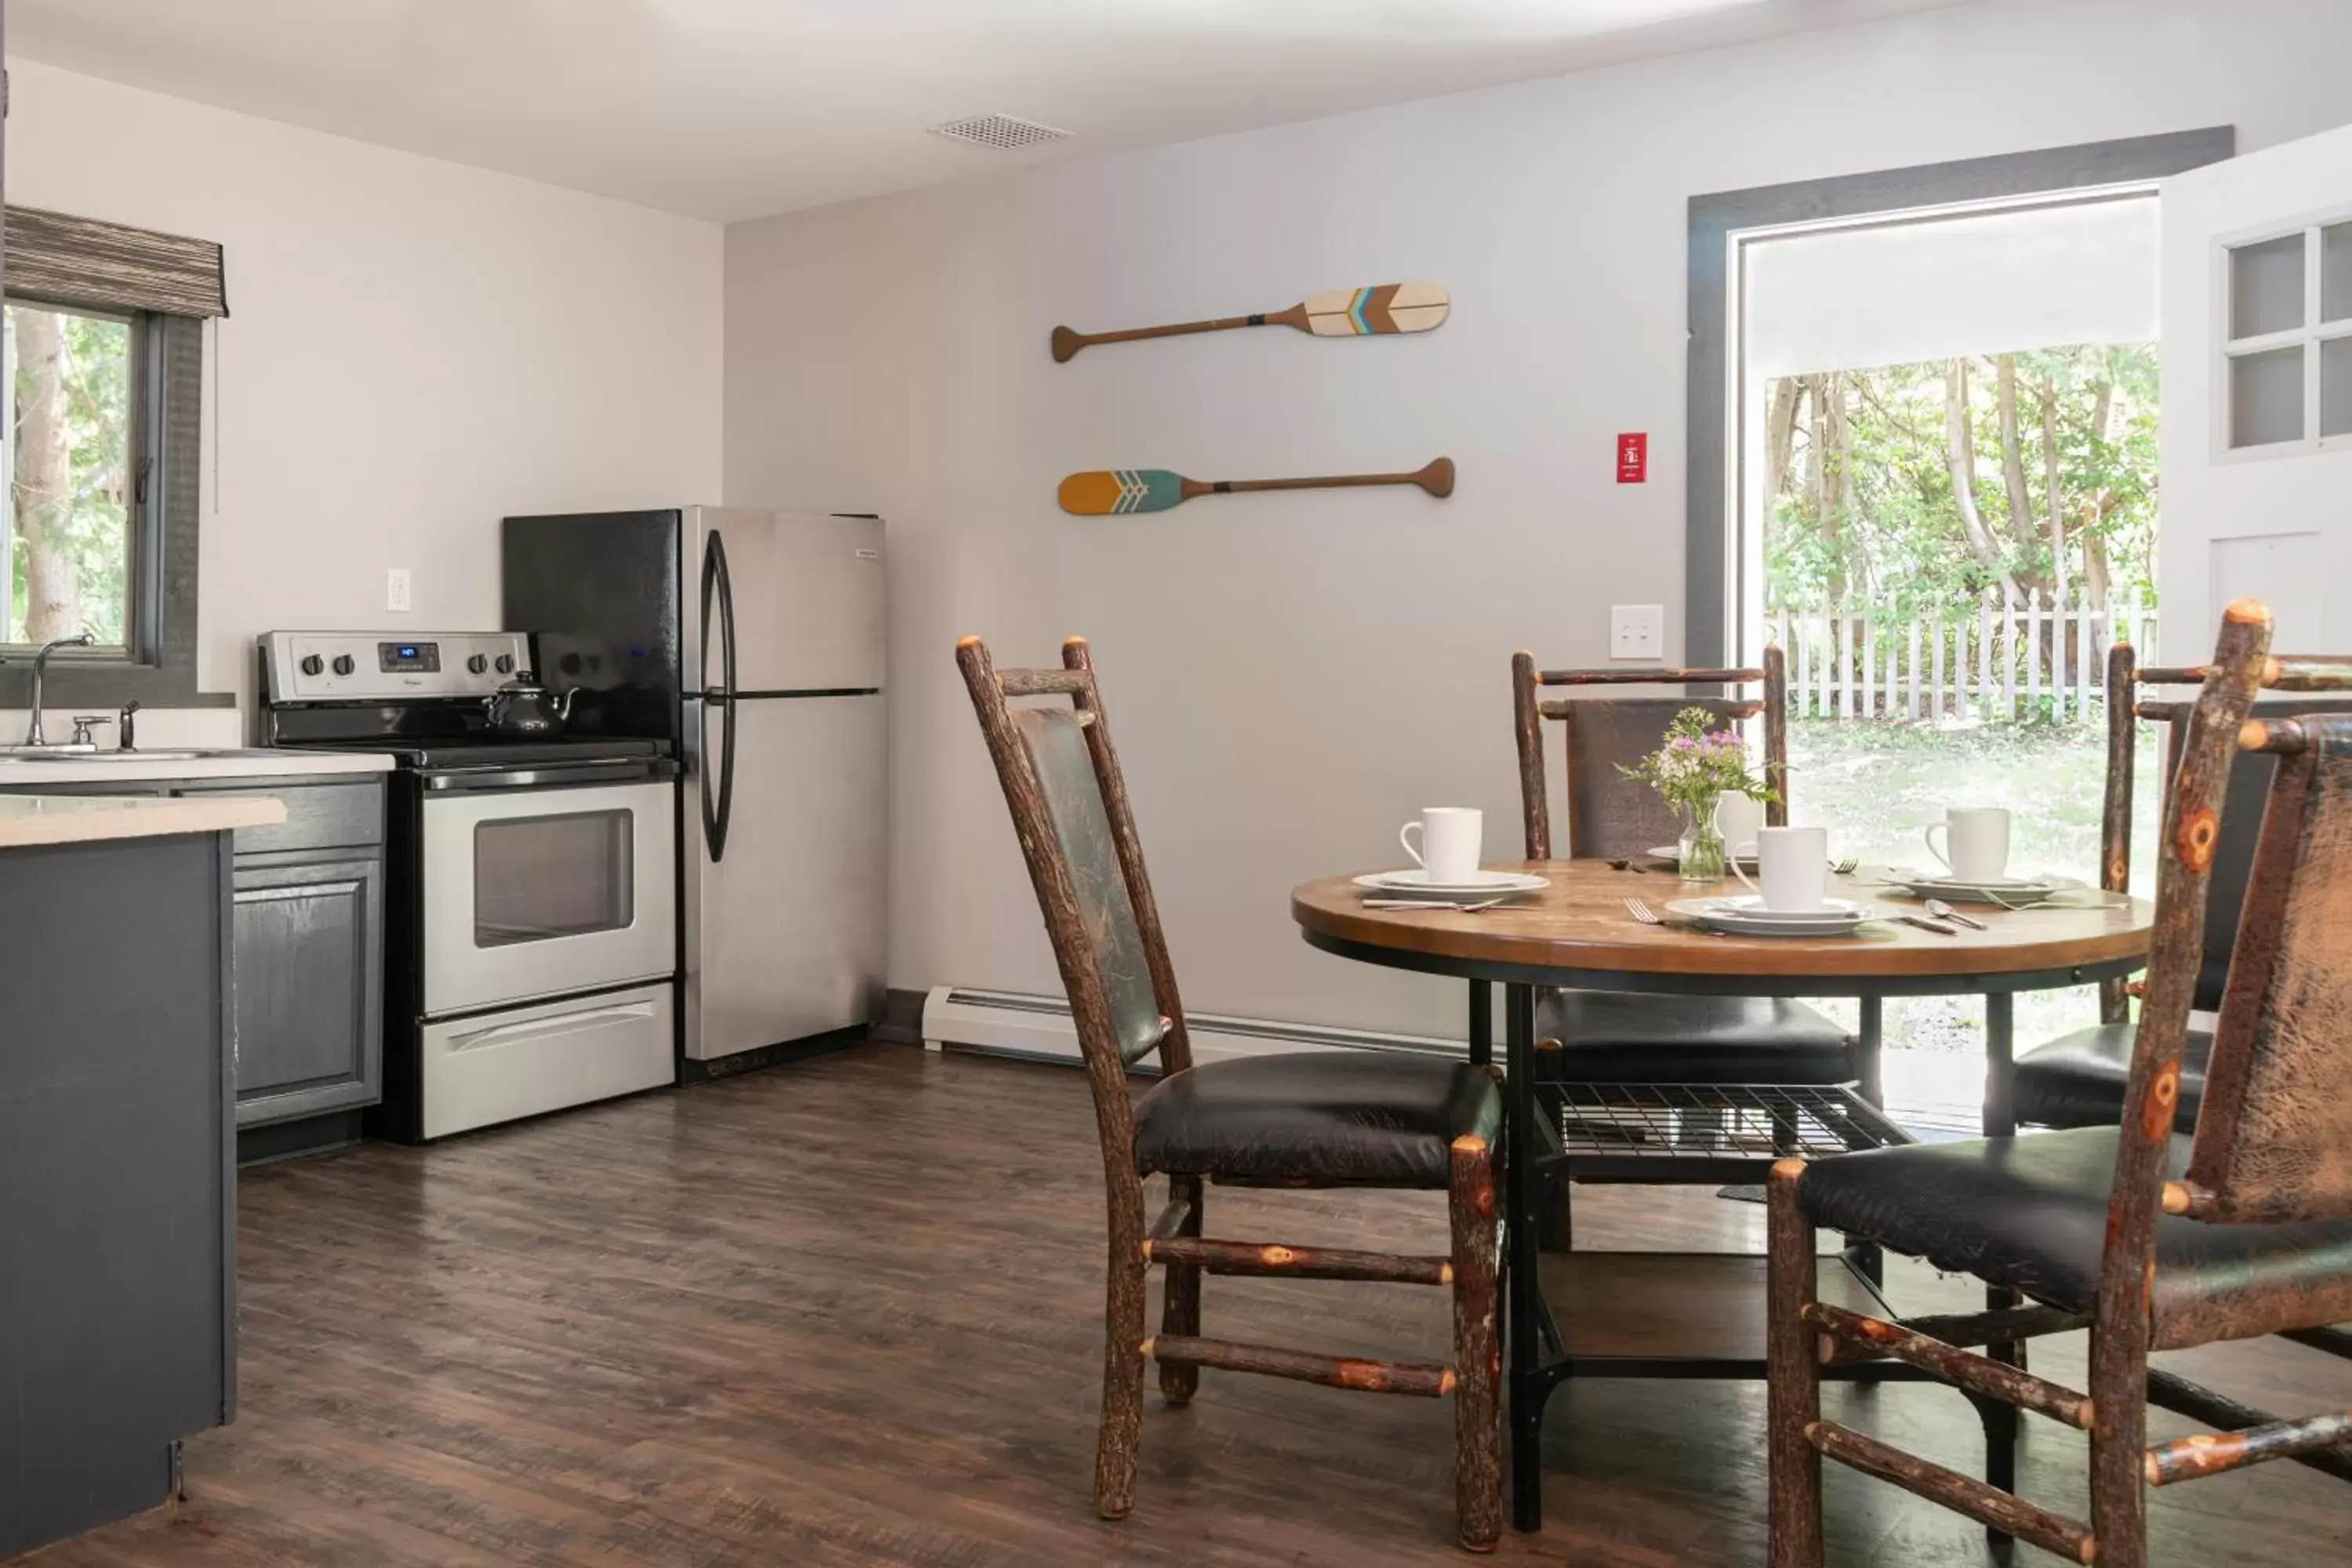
point(102, 353)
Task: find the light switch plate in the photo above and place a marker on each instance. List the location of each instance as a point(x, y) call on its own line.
point(1637, 631)
point(396, 593)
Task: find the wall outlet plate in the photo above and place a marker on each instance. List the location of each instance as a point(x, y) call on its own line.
point(1637, 631)
point(396, 593)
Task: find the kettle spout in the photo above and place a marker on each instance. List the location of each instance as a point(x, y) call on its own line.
point(563, 705)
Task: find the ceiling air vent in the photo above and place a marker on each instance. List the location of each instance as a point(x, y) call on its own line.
point(1001, 131)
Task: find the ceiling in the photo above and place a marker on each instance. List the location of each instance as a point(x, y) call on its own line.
point(735, 108)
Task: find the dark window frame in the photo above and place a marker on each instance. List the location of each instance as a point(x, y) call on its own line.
point(158, 666)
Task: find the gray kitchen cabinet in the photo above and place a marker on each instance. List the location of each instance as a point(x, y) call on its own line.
point(308, 923)
point(310, 985)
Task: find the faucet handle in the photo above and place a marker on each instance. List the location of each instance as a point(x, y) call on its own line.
point(83, 724)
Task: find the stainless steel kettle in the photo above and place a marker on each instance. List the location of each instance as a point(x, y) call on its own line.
point(524, 710)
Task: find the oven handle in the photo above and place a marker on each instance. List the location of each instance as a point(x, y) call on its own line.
point(716, 811)
point(567, 776)
point(543, 1029)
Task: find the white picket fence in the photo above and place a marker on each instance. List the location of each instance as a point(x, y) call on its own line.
point(2011, 660)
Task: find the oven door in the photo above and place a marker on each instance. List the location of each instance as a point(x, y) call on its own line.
point(539, 891)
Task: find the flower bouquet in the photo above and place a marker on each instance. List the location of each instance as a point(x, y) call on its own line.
point(1698, 764)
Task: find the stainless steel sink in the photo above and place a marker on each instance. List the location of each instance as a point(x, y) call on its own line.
point(93, 755)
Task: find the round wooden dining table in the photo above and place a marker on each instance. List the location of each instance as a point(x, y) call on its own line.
point(1576, 932)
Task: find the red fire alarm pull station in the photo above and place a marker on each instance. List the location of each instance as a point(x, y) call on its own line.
point(1634, 458)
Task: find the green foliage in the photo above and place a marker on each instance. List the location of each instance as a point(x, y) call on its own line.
point(1866, 511)
point(94, 399)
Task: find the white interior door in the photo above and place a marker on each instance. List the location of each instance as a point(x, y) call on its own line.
point(2257, 423)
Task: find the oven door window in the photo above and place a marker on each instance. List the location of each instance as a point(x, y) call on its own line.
point(542, 878)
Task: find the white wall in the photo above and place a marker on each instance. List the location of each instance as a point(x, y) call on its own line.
point(2275, 527)
point(1290, 677)
point(415, 349)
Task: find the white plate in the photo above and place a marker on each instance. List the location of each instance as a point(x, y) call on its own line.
point(1672, 854)
point(1833, 912)
point(1709, 914)
point(1417, 882)
point(2004, 890)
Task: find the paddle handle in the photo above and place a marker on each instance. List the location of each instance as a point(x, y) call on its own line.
point(1067, 343)
point(1437, 478)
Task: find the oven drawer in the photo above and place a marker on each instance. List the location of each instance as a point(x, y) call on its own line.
point(500, 1066)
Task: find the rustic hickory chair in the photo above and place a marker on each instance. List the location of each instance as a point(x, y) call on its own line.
point(2152, 1239)
point(2078, 1080)
point(1314, 1120)
point(1622, 1037)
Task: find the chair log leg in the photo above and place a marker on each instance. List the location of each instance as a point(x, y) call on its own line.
point(1477, 1349)
point(1122, 1395)
point(2118, 1449)
point(2000, 1422)
point(1793, 1373)
point(1179, 1309)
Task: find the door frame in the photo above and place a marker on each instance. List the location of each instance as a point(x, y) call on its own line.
point(1712, 459)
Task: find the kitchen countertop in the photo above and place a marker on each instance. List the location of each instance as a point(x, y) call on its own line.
point(32, 819)
point(253, 763)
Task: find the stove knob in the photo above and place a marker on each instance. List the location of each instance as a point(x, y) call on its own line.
point(476, 664)
point(344, 664)
point(313, 665)
point(506, 664)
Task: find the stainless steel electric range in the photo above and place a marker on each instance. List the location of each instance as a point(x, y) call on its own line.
point(531, 900)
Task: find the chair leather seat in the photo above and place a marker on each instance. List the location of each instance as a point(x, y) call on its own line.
point(1322, 1119)
point(2030, 1213)
point(2078, 1080)
point(1621, 1037)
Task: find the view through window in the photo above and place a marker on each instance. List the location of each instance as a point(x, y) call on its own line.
point(66, 535)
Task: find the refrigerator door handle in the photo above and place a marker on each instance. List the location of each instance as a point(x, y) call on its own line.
point(717, 809)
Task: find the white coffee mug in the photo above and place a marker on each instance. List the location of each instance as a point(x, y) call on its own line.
point(1975, 846)
point(1738, 818)
point(1792, 864)
point(1450, 838)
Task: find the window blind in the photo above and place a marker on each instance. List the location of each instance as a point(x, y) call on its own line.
point(66, 260)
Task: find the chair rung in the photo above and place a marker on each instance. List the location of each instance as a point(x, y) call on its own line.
point(1332, 1371)
point(1965, 1494)
point(1965, 1369)
point(2212, 1453)
point(2001, 1325)
point(1297, 1262)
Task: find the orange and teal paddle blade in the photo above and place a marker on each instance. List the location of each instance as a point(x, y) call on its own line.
point(1113, 492)
point(1380, 309)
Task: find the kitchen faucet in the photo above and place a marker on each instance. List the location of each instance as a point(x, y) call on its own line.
point(33, 736)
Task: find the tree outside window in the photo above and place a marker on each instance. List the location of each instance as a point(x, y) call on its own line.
point(66, 552)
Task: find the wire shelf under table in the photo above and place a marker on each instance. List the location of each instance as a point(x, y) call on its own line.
point(1673, 1133)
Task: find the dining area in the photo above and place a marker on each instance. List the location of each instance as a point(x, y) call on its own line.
point(1663, 961)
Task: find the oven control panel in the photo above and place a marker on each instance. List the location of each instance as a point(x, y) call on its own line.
point(367, 667)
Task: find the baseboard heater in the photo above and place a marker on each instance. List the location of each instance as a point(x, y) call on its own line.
point(1018, 1023)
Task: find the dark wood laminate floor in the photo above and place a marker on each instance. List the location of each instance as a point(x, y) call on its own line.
point(848, 1313)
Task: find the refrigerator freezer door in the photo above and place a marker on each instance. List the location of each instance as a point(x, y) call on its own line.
point(808, 601)
point(784, 932)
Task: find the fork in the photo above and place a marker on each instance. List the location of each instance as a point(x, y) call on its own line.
point(1642, 912)
point(1429, 904)
point(1845, 865)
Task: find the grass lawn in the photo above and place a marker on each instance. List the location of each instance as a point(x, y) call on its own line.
point(1876, 785)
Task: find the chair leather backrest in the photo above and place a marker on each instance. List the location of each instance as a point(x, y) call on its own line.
point(2274, 1133)
point(2234, 853)
point(1610, 815)
point(1055, 742)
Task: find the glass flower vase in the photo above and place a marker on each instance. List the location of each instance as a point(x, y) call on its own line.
point(1701, 847)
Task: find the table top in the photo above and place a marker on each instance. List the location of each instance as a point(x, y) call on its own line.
point(1576, 931)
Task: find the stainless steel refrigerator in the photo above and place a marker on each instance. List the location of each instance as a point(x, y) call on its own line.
point(752, 640)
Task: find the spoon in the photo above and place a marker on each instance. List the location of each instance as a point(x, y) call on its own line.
point(1944, 912)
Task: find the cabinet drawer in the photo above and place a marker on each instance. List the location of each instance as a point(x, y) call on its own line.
point(317, 817)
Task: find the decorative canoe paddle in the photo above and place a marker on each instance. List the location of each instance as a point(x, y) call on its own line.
point(1106, 492)
point(1373, 312)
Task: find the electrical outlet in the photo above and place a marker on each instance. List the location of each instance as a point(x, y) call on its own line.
point(397, 595)
point(1637, 631)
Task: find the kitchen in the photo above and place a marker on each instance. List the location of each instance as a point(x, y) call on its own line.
point(472, 912)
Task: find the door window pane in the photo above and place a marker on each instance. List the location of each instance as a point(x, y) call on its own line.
point(64, 533)
point(2335, 387)
point(537, 878)
point(2266, 397)
point(2335, 273)
point(2266, 287)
